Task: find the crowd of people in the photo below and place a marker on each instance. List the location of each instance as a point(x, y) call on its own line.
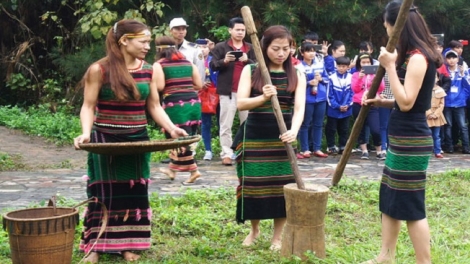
point(319, 90)
point(336, 85)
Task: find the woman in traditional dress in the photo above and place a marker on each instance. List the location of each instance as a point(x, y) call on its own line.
point(178, 80)
point(118, 90)
point(263, 166)
point(412, 73)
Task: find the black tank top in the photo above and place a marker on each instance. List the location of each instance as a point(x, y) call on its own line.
point(423, 101)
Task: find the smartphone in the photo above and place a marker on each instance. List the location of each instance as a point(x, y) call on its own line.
point(460, 63)
point(370, 69)
point(318, 47)
point(237, 54)
point(439, 37)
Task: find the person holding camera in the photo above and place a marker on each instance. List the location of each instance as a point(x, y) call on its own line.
point(228, 58)
point(209, 98)
point(361, 83)
point(310, 133)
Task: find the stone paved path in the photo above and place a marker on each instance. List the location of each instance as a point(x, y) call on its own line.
point(47, 176)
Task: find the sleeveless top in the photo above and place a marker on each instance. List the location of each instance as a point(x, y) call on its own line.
point(119, 117)
point(423, 101)
point(285, 98)
point(178, 77)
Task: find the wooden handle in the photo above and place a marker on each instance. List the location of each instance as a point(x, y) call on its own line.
point(359, 123)
point(251, 30)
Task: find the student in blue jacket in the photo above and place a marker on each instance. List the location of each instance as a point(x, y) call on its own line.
point(339, 97)
point(455, 103)
point(336, 50)
point(315, 106)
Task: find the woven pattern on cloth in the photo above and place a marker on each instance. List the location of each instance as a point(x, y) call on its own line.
point(183, 106)
point(263, 167)
point(119, 182)
point(180, 100)
point(402, 190)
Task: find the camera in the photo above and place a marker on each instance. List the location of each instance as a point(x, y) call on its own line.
point(370, 69)
point(464, 42)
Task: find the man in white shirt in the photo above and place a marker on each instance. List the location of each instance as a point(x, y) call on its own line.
point(178, 30)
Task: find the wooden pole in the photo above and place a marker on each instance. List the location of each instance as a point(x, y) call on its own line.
point(358, 124)
point(251, 30)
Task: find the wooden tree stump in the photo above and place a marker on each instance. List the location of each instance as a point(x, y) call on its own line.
point(305, 229)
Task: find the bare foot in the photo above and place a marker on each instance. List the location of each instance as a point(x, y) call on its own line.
point(129, 256)
point(250, 239)
point(92, 258)
point(192, 179)
point(171, 174)
point(275, 245)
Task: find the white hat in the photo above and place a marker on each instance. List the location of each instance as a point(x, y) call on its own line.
point(456, 55)
point(178, 22)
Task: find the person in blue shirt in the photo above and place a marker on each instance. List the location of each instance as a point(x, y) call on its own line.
point(455, 103)
point(315, 106)
point(336, 50)
point(206, 118)
point(339, 98)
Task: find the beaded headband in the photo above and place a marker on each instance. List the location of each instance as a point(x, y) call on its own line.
point(138, 35)
point(135, 35)
point(161, 47)
point(165, 46)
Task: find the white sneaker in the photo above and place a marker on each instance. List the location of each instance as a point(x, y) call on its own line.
point(208, 155)
point(234, 156)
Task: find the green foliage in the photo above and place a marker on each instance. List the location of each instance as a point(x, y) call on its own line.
point(74, 65)
point(60, 127)
point(97, 22)
point(156, 134)
point(18, 81)
point(220, 33)
point(282, 13)
point(98, 17)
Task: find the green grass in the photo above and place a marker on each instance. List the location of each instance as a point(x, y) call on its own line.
point(11, 162)
point(199, 227)
point(60, 127)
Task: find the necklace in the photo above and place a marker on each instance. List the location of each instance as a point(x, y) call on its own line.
point(138, 67)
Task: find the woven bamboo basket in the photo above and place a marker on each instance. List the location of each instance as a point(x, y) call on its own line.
point(126, 148)
point(41, 235)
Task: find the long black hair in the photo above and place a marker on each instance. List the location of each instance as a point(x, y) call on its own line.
point(362, 56)
point(415, 34)
point(272, 33)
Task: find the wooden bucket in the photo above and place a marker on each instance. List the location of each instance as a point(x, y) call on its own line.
point(41, 235)
point(305, 229)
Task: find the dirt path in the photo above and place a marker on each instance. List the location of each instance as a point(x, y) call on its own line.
point(37, 153)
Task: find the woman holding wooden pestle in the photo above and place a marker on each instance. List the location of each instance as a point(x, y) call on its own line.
point(263, 166)
point(411, 72)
